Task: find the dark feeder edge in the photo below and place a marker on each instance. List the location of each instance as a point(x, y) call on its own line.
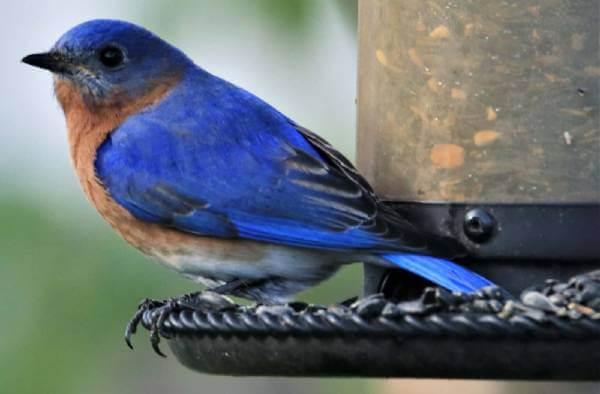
point(441, 335)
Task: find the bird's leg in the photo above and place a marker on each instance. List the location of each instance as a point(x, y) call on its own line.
point(189, 300)
point(232, 286)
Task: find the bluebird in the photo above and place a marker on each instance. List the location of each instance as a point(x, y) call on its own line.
point(215, 183)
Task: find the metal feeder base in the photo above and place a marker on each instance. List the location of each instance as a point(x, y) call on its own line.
point(552, 332)
point(388, 356)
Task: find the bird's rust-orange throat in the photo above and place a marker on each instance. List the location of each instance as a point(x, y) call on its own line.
point(88, 123)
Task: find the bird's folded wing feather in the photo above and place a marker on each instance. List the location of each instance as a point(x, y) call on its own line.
point(245, 171)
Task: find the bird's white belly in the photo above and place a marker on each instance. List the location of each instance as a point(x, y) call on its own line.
point(270, 261)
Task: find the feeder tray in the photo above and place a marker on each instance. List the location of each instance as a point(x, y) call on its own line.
point(551, 332)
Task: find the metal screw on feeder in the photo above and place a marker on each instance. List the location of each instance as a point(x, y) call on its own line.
point(479, 225)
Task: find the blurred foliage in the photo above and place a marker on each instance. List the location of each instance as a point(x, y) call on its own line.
point(68, 286)
point(287, 13)
point(295, 13)
point(286, 16)
point(349, 8)
point(70, 291)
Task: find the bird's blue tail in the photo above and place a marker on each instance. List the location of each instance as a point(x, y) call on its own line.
point(439, 271)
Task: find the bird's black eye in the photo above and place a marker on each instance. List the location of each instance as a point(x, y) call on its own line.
point(111, 56)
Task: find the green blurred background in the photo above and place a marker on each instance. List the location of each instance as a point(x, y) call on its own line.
point(68, 284)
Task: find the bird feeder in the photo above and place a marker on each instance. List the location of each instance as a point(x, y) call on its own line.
point(478, 121)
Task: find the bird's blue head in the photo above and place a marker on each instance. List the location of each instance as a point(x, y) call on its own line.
point(110, 58)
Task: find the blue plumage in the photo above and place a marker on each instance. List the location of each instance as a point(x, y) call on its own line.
point(440, 271)
point(231, 165)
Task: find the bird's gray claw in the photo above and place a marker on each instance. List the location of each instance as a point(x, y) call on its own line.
point(133, 323)
point(159, 310)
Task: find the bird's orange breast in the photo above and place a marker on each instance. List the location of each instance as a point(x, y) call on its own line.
point(87, 127)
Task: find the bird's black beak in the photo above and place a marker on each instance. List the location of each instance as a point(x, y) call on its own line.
point(51, 61)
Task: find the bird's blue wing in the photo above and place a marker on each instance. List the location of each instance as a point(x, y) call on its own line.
point(215, 160)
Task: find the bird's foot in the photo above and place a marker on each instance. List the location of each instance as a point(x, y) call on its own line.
point(159, 311)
